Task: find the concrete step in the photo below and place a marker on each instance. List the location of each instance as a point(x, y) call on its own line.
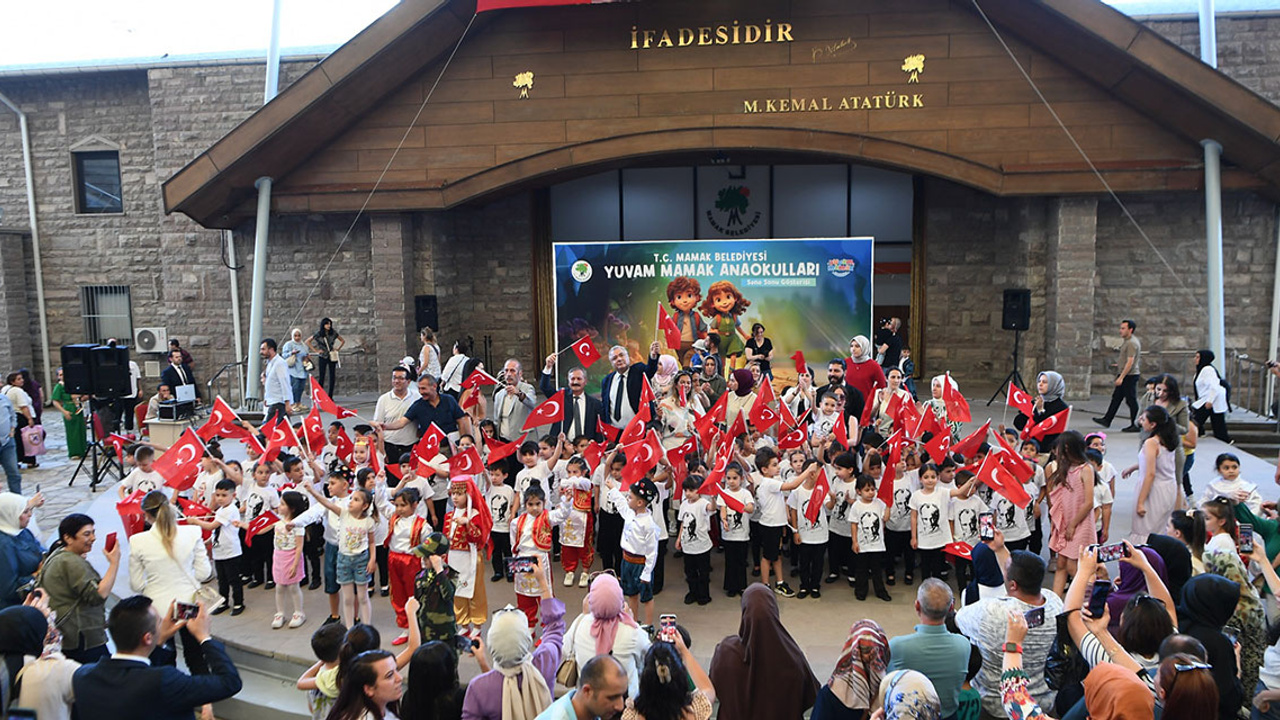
point(270, 689)
point(1266, 451)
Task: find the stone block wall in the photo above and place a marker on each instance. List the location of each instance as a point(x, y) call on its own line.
point(16, 347)
point(1248, 48)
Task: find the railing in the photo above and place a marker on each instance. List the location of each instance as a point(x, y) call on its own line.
point(229, 383)
point(1250, 380)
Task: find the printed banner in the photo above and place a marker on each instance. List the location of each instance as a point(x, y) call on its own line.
point(811, 295)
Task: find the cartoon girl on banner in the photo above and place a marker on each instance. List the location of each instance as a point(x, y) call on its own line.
point(723, 307)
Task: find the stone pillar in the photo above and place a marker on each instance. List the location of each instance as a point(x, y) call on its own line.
point(392, 275)
point(1071, 266)
point(15, 311)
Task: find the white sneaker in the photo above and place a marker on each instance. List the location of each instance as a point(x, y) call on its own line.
point(584, 579)
point(277, 622)
point(297, 620)
point(568, 579)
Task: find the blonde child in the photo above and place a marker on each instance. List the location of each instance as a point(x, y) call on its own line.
point(143, 477)
point(357, 521)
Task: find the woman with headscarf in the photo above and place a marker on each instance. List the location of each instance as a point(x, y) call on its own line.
point(741, 391)
point(520, 683)
point(20, 552)
point(1176, 559)
point(862, 664)
point(1133, 581)
point(1249, 619)
point(908, 695)
point(1050, 387)
point(1211, 398)
point(673, 686)
point(761, 672)
point(1208, 602)
point(607, 628)
point(23, 629)
point(988, 578)
point(863, 374)
point(295, 353)
point(939, 406)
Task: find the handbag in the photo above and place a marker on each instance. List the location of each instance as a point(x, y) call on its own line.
point(306, 365)
point(1064, 666)
point(211, 598)
point(567, 673)
point(292, 360)
point(33, 440)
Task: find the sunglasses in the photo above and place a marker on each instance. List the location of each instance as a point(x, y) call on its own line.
point(592, 577)
point(1185, 667)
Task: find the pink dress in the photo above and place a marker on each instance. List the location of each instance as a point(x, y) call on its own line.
point(1065, 503)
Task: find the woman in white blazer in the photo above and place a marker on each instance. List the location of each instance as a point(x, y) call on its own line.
point(1211, 397)
point(168, 563)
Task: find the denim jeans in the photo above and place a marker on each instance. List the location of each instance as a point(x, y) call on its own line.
point(9, 459)
point(299, 387)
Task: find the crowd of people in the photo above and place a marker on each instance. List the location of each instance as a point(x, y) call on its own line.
point(473, 481)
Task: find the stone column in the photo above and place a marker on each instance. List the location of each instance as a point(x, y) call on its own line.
point(15, 311)
point(392, 275)
point(1071, 266)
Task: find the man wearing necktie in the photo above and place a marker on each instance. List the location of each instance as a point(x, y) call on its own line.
point(512, 401)
point(620, 389)
point(581, 411)
point(178, 373)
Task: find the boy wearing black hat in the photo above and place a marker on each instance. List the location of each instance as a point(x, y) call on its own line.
point(433, 588)
point(639, 543)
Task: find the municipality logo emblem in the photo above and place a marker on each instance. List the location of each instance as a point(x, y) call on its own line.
point(581, 271)
point(734, 217)
point(841, 267)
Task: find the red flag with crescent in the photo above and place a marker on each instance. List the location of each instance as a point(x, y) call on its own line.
point(428, 446)
point(180, 464)
point(908, 417)
point(193, 509)
point(738, 427)
point(763, 416)
point(937, 446)
point(766, 391)
point(321, 399)
point(1055, 424)
point(957, 406)
point(1014, 463)
point(818, 497)
point(550, 411)
point(713, 482)
point(929, 423)
point(585, 350)
point(130, 511)
point(344, 445)
point(258, 524)
point(1020, 400)
point(500, 450)
point(646, 392)
point(609, 432)
point(840, 432)
point(718, 409)
point(670, 331)
point(971, 442)
point(280, 435)
point(477, 378)
point(998, 478)
point(592, 455)
point(635, 427)
point(119, 442)
point(223, 422)
point(313, 430)
point(794, 439)
point(467, 462)
point(641, 458)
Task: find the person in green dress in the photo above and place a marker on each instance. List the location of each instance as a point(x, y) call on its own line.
point(68, 405)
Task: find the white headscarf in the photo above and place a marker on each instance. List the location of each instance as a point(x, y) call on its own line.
point(511, 650)
point(12, 505)
point(862, 348)
point(942, 380)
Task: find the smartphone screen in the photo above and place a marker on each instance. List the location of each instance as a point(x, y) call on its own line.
point(1107, 553)
point(1246, 538)
point(111, 542)
point(185, 611)
point(1098, 600)
point(987, 526)
point(667, 628)
point(1035, 617)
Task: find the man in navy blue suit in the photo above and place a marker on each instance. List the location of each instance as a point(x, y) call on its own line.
point(582, 412)
point(141, 675)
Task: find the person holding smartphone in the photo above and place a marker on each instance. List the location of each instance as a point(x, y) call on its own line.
point(76, 591)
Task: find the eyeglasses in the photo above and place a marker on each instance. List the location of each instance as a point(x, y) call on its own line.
point(1143, 597)
point(592, 577)
point(1185, 667)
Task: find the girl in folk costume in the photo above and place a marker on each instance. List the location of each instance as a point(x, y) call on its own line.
point(577, 538)
point(406, 529)
point(467, 527)
point(531, 537)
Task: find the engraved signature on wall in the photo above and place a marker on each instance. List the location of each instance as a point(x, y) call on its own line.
point(831, 50)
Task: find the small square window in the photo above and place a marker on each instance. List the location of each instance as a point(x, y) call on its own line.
point(97, 178)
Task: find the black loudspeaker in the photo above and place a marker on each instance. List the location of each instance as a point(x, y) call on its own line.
point(77, 375)
point(1017, 310)
point(110, 370)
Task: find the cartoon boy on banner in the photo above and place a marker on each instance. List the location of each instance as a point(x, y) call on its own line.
point(684, 294)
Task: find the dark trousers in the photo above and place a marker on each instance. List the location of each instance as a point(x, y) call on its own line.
point(930, 563)
point(125, 408)
point(1216, 419)
point(697, 575)
point(276, 410)
point(964, 572)
point(609, 540)
point(899, 543)
point(1126, 392)
point(313, 553)
point(324, 365)
point(840, 552)
point(868, 565)
point(1023, 544)
point(229, 580)
point(255, 563)
point(735, 566)
point(755, 543)
point(380, 554)
point(191, 653)
point(659, 567)
point(1035, 541)
point(811, 555)
point(501, 551)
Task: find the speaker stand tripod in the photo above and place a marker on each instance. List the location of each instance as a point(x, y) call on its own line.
point(1014, 376)
point(100, 463)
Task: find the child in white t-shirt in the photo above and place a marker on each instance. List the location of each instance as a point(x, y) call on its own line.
point(897, 529)
point(842, 474)
point(226, 546)
point(359, 519)
point(867, 517)
point(965, 511)
point(695, 541)
point(256, 498)
point(1228, 484)
point(735, 529)
point(502, 507)
point(1102, 497)
point(931, 521)
point(143, 477)
point(773, 516)
point(811, 535)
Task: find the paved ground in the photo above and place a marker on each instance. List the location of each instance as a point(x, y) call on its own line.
point(819, 626)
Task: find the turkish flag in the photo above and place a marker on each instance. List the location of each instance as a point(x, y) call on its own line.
point(738, 427)
point(193, 509)
point(1020, 400)
point(868, 407)
point(895, 443)
point(1002, 481)
point(374, 465)
point(731, 502)
point(1053, 425)
point(819, 496)
point(646, 392)
point(500, 450)
point(840, 432)
point(677, 454)
point(609, 432)
point(635, 427)
point(393, 469)
point(712, 484)
point(670, 330)
point(344, 445)
point(766, 391)
point(794, 439)
point(1015, 463)
point(957, 406)
point(265, 520)
point(428, 446)
point(279, 436)
point(929, 423)
point(763, 416)
point(550, 411)
point(641, 458)
point(477, 378)
point(473, 398)
point(180, 464)
point(321, 399)
point(894, 406)
point(908, 417)
point(958, 549)
point(937, 446)
point(585, 350)
point(801, 366)
point(467, 462)
point(119, 442)
point(223, 422)
point(718, 409)
point(251, 444)
point(971, 442)
point(131, 516)
point(593, 454)
point(788, 419)
point(313, 431)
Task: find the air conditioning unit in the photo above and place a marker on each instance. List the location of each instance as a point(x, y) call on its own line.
point(150, 340)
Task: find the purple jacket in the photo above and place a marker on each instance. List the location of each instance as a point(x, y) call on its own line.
point(484, 693)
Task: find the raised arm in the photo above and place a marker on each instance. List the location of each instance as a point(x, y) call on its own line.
point(320, 499)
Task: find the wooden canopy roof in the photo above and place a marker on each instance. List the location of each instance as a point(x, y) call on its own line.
point(1138, 104)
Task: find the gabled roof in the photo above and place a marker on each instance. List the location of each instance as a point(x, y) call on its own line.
point(1134, 64)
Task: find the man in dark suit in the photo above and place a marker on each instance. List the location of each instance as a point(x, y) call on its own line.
point(581, 411)
point(134, 678)
point(620, 390)
point(178, 373)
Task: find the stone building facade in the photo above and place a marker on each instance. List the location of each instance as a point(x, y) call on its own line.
point(1086, 263)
